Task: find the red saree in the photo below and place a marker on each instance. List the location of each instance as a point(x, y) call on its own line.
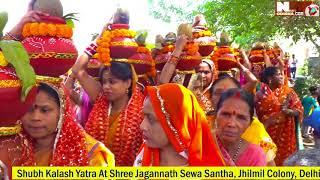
point(72, 147)
point(283, 134)
point(121, 134)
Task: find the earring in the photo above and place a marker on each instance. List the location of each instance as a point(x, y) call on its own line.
point(127, 91)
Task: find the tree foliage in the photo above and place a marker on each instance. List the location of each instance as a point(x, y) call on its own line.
point(309, 77)
point(174, 11)
point(247, 21)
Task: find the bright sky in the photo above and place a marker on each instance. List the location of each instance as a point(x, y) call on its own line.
point(93, 14)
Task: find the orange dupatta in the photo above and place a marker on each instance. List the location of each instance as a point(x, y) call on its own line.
point(185, 125)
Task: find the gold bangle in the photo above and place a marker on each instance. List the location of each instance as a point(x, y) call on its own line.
point(9, 131)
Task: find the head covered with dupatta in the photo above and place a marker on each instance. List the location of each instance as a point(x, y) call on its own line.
point(184, 124)
point(69, 147)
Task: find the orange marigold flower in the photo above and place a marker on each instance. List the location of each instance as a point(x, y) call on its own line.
point(106, 39)
point(26, 30)
point(34, 29)
point(191, 48)
point(105, 49)
point(99, 41)
point(69, 33)
point(104, 55)
point(106, 34)
point(51, 29)
point(116, 33)
point(196, 35)
point(60, 31)
point(99, 49)
point(105, 44)
point(142, 49)
point(42, 29)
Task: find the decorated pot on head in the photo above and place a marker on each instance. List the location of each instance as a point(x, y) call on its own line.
point(277, 51)
point(203, 36)
point(190, 58)
point(256, 58)
point(48, 42)
point(122, 44)
point(224, 57)
point(17, 81)
point(143, 62)
point(276, 48)
point(17, 93)
point(167, 47)
point(272, 53)
point(117, 41)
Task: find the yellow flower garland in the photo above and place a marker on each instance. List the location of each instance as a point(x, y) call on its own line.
point(103, 49)
point(204, 33)
point(3, 61)
point(44, 29)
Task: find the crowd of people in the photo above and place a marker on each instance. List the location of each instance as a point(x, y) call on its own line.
point(239, 117)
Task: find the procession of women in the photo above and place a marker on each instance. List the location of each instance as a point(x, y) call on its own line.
point(190, 100)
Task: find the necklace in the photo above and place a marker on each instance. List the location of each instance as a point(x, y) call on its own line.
point(237, 152)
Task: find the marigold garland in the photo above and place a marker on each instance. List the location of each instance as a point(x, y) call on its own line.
point(144, 50)
point(224, 50)
point(204, 33)
point(103, 49)
point(191, 48)
point(221, 51)
point(45, 29)
point(271, 54)
point(256, 52)
point(168, 48)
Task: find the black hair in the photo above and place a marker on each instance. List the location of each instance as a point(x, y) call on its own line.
point(268, 72)
point(223, 77)
point(313, 89)
point(242, 94)
point(119, 70)
point(50, 91)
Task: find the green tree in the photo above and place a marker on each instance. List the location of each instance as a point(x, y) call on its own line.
point(247, 21)
point(174, 11)
point(310, 77)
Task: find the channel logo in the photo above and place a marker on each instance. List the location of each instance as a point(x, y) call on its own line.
point(312, 10)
